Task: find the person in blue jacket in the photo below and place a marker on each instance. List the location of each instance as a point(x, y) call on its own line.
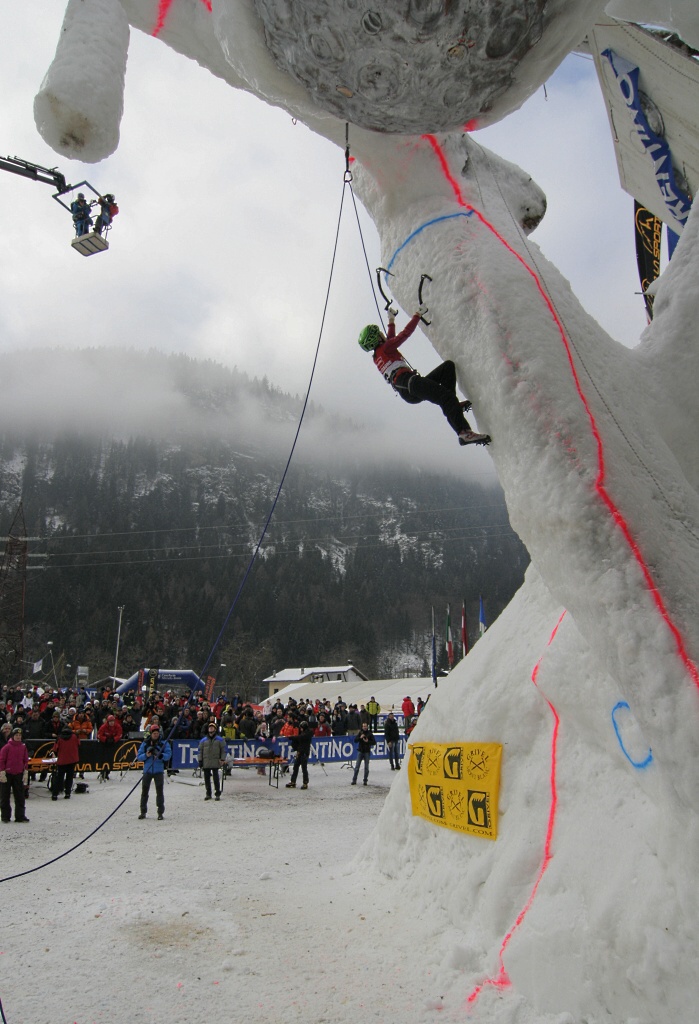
point(154, 752)
point(81, 215)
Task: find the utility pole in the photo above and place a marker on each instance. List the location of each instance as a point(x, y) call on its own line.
point(120, 609)
point(49, 644)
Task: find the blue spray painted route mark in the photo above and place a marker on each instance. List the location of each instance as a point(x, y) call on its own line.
point(427, 224)
point(636, 764)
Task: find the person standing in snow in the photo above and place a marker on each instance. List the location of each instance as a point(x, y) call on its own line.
point(109, 734)
point(373, 707)
point(365, 741)
point(352, 720)
point(212, 757)
point(154, 752)
point(407, 707)
point(67, 751)
point(391, 734)
point(14, 776)
point(438, 387)
point(301, 743)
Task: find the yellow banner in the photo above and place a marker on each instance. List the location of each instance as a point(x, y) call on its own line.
point(456, 785)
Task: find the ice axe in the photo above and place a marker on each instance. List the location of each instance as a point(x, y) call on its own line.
point(425, 277)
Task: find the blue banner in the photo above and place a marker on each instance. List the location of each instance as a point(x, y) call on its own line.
point(329, 750)
point(676, 201)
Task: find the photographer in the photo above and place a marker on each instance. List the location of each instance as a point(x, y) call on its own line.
point(365, 741)
point(154, 752)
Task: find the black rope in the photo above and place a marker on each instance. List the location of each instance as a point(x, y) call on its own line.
point(29, 871)
point(293, 446)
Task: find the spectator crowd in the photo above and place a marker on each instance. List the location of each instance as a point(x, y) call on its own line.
point(67, 718)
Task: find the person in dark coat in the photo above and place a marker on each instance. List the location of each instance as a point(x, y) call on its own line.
point(302, 745)
point(352, 720)
point(67, 751)
point(365, 741)
point(391, 734)
point(212, 757)
point(248, 725)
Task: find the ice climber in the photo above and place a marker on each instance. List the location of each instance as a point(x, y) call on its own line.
point(438, 387)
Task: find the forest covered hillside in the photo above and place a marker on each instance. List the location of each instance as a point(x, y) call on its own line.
point(161, 513)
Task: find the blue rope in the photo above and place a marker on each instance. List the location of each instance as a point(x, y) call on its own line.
point(291, 453)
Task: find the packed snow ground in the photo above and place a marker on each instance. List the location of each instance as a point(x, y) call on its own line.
point(248, 909)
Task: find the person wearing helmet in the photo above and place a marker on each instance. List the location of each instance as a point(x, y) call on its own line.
point(438, 387)
point(108, 210)
point(81, 215)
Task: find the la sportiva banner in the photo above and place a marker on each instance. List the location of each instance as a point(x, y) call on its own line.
point(456, 785)
point(648, 244)
point(94, 756)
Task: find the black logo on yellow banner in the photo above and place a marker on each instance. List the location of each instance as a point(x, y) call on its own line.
point(456, 785)
point(456, 803)
point(435, 801)
point(478, 809)
point(477, 763)
point(452, 762)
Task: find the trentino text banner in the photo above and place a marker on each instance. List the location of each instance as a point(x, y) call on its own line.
point(456, 785)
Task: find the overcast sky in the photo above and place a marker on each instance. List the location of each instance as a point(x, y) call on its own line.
point(228, 212)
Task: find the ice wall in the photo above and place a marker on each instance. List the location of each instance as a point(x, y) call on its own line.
point(593, 445)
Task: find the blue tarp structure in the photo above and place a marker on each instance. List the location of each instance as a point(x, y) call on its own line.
point(165, 678)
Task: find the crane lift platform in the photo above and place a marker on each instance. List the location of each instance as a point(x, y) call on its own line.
point(90, 241)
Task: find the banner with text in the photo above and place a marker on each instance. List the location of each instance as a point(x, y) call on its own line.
point(94, 756)
point(456, 785)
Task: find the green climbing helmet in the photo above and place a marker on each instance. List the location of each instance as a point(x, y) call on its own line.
point(370, 338)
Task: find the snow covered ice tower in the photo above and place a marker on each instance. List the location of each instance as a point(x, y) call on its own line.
point(594, 447)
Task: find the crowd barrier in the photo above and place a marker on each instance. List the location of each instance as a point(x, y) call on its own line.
point(94, 756)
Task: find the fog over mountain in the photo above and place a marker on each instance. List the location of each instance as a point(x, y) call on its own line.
point(146, 481)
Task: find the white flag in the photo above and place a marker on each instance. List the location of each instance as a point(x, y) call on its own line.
point(37, 666)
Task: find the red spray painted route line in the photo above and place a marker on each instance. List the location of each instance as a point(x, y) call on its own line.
point(600, 488)
point(501, 979)
point(164, 10)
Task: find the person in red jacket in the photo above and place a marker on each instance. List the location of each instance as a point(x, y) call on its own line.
point(14, 762)
point(408, 708)
point(323, 728)
point(438, 387)
point(109, 733)
point(67, 751)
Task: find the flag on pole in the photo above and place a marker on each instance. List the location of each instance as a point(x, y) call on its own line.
point(464, 632)
point(36, 667)
point(481, 618)
point(434, 654)
point(449, 640)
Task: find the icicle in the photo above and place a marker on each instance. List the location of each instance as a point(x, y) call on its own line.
point(79, 106)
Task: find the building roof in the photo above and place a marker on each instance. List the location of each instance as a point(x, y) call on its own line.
point(325, 672)
point(388, 692)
